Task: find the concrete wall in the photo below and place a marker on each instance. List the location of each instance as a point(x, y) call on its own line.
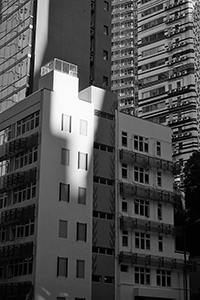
point(63, 99)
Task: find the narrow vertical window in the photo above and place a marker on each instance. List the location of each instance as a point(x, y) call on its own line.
point(82, 161)
point(105, 30)
point(125, 238)
point(105, 81)
point(62, 266)
point(158, 148)
point(81, 195)
point(66, 123)
point(83, 127)
point(124, 170)
point(159, 179)
point(62, 229)
point(81, 232)
point(124, 139)
point(124, 206)
point(80, 268)
point(159, 211)
point(64, 194)
point(160, 243)
point(106, 6)
point(65, 157)
point(105, 55)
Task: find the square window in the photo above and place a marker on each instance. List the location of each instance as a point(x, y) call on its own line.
point(82, 161)
point(81, 195)
point(105, 55)
point(66, 123)
point(105, 30)
point(83, 127)
point(80, 268)
point(65, 157)
point(106, 6)
point(124, 268)
point(62, 266)
point(81, 232)
point(64, 194)
point(105, 81)
point(62, 229)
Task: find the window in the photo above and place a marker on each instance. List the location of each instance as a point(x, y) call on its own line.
point(158, 148)
point(82, 161)
point(105, 30)
point(96, 278)
point(109, 279)
point(163, 278)
point(142, 275)
point(77, 298)
point(64, 194)
point(153, 50)
point(124, 268)
point(124, 206)
point(83, 127)
point(28, 123)
point(124, 139)
point(141, 143)
point(142, 241)
point(105, 55)
point(81, 195)
point(62, 229)
point(106, 5)
point(62, 266)
point(154, 92)
point(152, 10)
point(65, 157)
point(142, 207)
point(60, 298)
point(125, 238)
point(81, 232)
point(105, 81)
point(153, 64)
point(80, 268)
point(159, 211)
point(141, 175)
point(152, 23)
point(159, 179)
point(66, 123)
point(160, 243)
point(124, 170)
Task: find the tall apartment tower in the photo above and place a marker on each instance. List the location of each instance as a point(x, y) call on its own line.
point(148, 266)
point(33, 32)
point(168, 69)
point(168, 72)
point(124, 54)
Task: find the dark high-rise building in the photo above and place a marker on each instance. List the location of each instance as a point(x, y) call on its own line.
point(33, 32)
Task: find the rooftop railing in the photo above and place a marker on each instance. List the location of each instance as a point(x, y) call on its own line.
point(61, 66)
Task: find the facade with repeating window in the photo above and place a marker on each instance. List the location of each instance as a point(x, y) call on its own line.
point(56, 165)
point(124, 54)
point(33, 32)
point(168, 70)
point(148, 265)
point(167, 64)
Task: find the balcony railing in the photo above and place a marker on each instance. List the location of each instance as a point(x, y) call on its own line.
point(61, 66)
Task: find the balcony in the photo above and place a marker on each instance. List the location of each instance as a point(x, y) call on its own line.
point(145, 192)
point(150, 260)
point(16, 146)
point(145, 160)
